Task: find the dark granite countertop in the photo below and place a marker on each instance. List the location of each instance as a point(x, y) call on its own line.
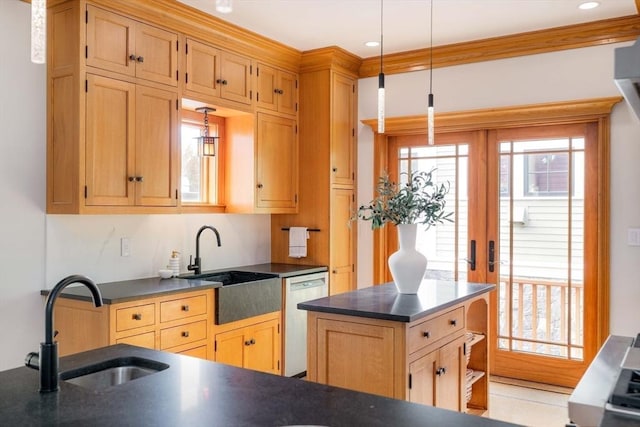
point(195, 392)
point(384, 301)
point(129, 290)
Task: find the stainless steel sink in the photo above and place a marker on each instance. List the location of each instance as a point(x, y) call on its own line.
point(112, 372)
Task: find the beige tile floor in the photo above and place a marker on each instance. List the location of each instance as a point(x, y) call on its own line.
point(528, 404)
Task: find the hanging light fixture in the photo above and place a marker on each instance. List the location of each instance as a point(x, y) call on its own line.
point(430, 113)
point(207, 146)
point(38, 31)
point(224, 6)
point(381, 79)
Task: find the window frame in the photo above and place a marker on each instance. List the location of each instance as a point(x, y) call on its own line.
point(211, 167)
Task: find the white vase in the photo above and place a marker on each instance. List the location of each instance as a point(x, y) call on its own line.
point(407, 265)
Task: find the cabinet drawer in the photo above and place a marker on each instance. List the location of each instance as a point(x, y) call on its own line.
point(432, 330)
point(147, 340)
point(183, 308)
point(183, 334)
point(135, 317)
point(200, 352)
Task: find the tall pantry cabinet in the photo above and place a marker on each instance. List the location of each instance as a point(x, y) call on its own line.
point(327, 143)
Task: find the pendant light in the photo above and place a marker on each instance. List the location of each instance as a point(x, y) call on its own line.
point(224, 6)
point(381, 79)
point(38, 31)
point(207, 146)
point(430, 112)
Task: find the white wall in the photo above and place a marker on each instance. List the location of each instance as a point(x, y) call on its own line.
point(37, 250)
point(558, 76)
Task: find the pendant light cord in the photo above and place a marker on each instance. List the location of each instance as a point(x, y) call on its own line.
point(381, 32)
point(431, 47)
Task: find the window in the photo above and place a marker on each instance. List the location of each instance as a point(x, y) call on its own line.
point(198, 178)
point(547, 174)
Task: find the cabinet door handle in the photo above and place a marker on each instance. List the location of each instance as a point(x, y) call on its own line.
point(252, 341)
point(247, 342)
point(185, 334)
point(132, 57)
point(453, 322)
point(221, 82)
point(441, 371)
point(140, 59)
point(131, 178)
point(334, 169)
point(185, 308)
point(259, 186)
point(139, 178)
point(136, 316)
point(426, 334)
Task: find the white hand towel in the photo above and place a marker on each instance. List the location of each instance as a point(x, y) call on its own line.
point(298, 242)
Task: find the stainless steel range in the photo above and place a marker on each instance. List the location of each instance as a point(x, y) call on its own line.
point(623, 406)
point(608, 395)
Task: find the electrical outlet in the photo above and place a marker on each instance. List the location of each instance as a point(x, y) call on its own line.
point(125, 246)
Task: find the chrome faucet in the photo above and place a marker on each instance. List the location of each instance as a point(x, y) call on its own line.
point(47, 362)
point(196, 266)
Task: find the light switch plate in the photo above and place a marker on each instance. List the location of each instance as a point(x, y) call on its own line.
point(125, 246)
point(633, 236)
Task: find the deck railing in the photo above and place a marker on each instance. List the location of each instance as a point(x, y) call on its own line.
point(546, 316)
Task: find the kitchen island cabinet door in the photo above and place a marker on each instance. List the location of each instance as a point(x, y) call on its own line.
point(438, 378)
point(340, 344)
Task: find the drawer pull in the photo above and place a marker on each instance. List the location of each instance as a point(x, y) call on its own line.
point(185, 308)
point(453, 322)
point(426, 334)
point(185, 334)
point(136, 316)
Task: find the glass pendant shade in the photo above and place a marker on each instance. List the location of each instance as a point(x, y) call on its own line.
point(430, 120)
point(38, 31)
point(224, 6)
point(381, 103)
point(207, 146)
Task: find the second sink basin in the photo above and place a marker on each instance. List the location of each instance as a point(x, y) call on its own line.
point(112, 372)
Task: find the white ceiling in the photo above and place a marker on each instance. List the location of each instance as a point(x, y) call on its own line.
point(310, 24)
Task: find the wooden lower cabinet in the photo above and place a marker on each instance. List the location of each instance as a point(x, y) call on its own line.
point(250, 343)
point(438, 378)
point(424, 361)
point(179, 323)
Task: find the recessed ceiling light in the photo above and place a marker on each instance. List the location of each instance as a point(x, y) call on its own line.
point(588, 5)
point(372, 44)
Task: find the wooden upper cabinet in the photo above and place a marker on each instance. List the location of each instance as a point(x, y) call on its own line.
point(277, 163)
point(343, 162)
point(214, 72)
point(131, 158)
point(277, 90)
point(122, 45)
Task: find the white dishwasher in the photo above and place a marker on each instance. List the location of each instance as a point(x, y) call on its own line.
point(300, 289)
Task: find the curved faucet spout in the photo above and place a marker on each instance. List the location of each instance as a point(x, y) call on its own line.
point(53, 295)
point(196, 267)
point(49, 348)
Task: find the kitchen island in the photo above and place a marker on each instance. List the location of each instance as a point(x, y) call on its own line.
point(198, 392)
point(427, 348)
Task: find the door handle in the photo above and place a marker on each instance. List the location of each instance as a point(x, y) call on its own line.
point(472, 256)
point(492, 256)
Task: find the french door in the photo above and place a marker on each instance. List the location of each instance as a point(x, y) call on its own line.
point(527, 218)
